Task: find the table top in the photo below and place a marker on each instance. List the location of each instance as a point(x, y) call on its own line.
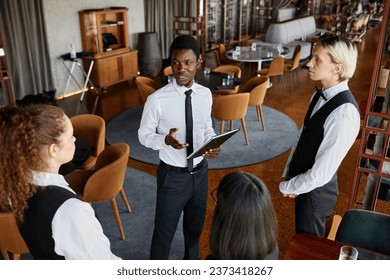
point(305, 246)
point(262, 53)
point(214, 80)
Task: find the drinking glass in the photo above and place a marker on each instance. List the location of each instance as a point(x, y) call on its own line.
point(348, 253)
point(206, 71)
point(230, 75)
point(225, 82)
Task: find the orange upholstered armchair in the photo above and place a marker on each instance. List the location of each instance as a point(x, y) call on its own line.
point(92, 128)
point(106, 182)
point(229, 108)
point(146, 86)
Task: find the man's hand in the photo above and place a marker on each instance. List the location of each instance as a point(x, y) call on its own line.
point(171, 140)
point(212, 153)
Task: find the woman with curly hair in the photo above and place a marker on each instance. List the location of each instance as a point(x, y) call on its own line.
point(34, 142)
point(244, 225)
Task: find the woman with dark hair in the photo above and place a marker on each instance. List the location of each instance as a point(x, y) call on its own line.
point(34, 142)
point(244, 225)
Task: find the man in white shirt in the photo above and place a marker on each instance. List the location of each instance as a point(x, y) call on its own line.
point(165, 126)
point(330, 128)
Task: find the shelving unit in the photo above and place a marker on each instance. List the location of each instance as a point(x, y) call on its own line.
point(105, 36)
point(371, 182)
point(194, 26)
point(5, 73)
point(228, 21)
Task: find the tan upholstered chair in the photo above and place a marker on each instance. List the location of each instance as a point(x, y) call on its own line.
point(276, 69)
point(248, 43)
point(221, 58)
point(11, 240)
point(92, 128)
point(229, 108)
point(146, 86)
point(292, 64)
point(106, 182)
point(167, 71)
point(257, 87)
point(226, 69)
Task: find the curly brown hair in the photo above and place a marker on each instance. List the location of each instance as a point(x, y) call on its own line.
point(25, 134)
point(18, 152)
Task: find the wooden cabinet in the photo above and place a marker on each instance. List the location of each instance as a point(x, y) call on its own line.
point(371, 182)
point(105, 36)
point(5, 74)
point(113, 69)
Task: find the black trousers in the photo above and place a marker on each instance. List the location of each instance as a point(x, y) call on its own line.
point(313, 208)
point(179, 192)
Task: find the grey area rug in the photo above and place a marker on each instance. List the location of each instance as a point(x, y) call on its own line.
point(280, 134)
point(140, 189)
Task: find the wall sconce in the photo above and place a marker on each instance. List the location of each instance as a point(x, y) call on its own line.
point(2, 53)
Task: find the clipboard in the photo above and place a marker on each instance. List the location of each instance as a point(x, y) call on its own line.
point(214, 142)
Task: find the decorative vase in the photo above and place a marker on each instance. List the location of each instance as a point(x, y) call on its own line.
point(149, 54)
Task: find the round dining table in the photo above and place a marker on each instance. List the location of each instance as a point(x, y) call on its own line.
point(260, 55)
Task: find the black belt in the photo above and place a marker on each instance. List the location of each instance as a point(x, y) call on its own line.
point(181, 169)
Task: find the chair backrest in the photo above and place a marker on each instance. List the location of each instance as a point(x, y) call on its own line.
point(257, 94)
point(252, 83)
point(93, 129)
point(10, 237)
point(222, 56)
point(296, 57)
point(365, 229)
point(167, 71)
point(145, 86)
point(249, 43)
point(276, 67)
point(229, 68)
point(230, 107)
point(107, 180)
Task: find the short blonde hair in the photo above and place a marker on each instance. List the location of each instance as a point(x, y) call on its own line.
point(343, 52)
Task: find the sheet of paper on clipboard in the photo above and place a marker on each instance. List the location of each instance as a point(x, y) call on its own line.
point(214, 142)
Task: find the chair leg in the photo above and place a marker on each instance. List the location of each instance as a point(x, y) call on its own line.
point(291, 82)
point(258, 112)
point(5, 254)
point(222, 126)
point(298, 72)
point(284, 88)
point(261, 116)
point(245, 133)
point(122, 192)
point(117, 217)
point(231, 125)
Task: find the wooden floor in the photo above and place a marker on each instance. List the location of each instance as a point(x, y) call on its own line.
point(294, 104)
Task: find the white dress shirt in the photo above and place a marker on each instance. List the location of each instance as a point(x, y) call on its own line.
point(340, 130)
point(165, 109)
point(77, 233)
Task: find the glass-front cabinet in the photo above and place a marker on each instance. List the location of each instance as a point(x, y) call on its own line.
point(371, 182)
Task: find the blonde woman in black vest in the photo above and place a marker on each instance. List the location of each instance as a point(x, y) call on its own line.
point(329, 130)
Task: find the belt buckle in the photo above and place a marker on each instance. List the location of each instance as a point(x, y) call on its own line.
point(193, 172)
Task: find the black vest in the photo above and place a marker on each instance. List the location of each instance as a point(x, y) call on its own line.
point(36, 229)
point(313, 133)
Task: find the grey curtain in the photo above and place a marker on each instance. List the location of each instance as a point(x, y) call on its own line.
point(28, 55)
point(159, 17)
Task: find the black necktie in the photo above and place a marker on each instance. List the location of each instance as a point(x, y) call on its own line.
point(319, 93)
point(189, 128)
